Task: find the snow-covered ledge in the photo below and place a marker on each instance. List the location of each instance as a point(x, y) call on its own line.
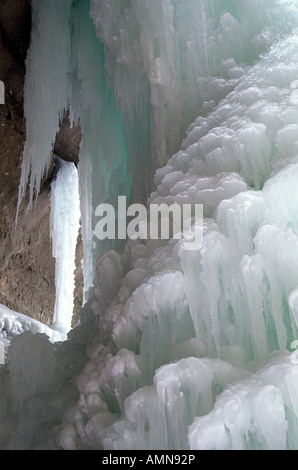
point(13, 323)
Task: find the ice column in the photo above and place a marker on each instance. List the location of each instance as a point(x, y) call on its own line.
point(65, 224)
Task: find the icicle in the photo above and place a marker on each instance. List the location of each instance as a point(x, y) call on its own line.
point(65, 224)
point(44, 101)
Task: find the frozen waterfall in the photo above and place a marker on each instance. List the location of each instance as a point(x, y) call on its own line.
point(179, 102)
point(65, 225)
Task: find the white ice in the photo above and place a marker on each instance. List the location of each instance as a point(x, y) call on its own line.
point(65, 224)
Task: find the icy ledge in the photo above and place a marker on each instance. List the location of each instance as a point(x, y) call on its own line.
point(14, 323)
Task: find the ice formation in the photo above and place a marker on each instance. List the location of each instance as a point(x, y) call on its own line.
point(174, 349)
point(65, 225)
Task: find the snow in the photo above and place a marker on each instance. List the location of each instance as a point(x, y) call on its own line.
point(13, 323)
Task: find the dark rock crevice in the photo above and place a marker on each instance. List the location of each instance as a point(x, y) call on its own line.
point(15, 27)
point(68, 140)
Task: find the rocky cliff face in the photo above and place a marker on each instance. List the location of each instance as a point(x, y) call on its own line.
point(27, 268)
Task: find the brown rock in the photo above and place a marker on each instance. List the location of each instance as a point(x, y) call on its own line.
point(15, 26)
point(68, 140)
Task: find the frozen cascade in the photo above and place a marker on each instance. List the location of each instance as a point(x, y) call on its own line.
point(73, 58)
point(174, 349)
point(65, 225)
point(160, 83)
